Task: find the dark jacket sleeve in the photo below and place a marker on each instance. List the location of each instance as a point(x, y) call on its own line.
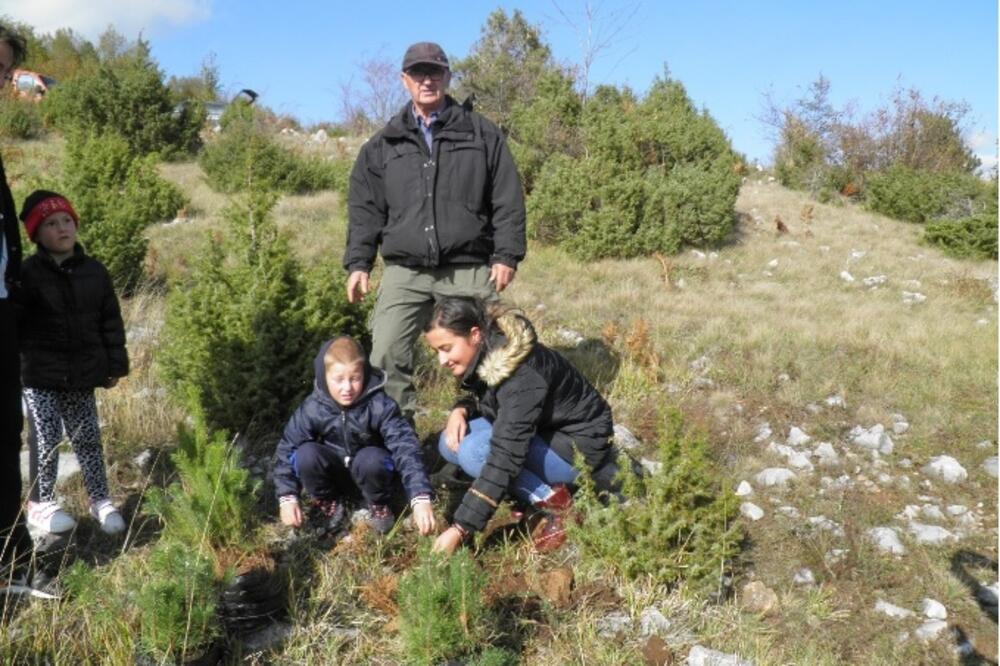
point(520, 400)
point(113, 329)
point(402, 443)
point(507, 203)
point(366, 210)
point(297, 432)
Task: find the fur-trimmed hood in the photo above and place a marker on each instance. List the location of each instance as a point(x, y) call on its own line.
point(497, 363)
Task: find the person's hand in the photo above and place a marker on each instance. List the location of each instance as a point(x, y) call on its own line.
point(357, 286)
point(448, 541)
point(501, 275)
point(423, 517)
point(291, 514)
point(111, 382)
point(456, 428)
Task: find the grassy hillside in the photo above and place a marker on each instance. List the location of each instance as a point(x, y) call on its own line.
point(774, 330)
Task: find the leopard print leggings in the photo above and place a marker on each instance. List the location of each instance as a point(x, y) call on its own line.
point(50, 413)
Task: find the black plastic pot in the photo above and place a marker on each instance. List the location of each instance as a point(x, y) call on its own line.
point(254, 599)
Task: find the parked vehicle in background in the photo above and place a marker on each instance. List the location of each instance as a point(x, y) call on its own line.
point(31, 85)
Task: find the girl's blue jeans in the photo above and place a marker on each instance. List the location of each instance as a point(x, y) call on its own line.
point(542, 466)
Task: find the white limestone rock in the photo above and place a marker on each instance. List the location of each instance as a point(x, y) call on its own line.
point(913, 298)
point(703, 656)
point(874, 438)
point(788, 511)
point(931, 535)
point(797, 437)
point(804, 576)
point(887, 540)
point(836, 400)
point(774, 477)
point(933, 609)
point(946, 469)
point(990, 466)
point(930, 629)
point(625, 439)
point(763, 433)
point(846, 277)
point(744, 489)
point(795, 459)
point(827, 455)
point(932, 512)
point(875, 281)
point(892, 610)
point(827, 525)
point(751, 511)
point(653, 622)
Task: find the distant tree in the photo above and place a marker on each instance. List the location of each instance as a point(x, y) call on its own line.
point(597, 32)
point(379, 95)
point(504, 67)
point(205, 87)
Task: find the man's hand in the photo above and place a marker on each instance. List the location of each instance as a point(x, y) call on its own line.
point(357, 286)
point(456, 428)
point(448, 541)
point(501, 275)
point(423, 517)
point(291, 514)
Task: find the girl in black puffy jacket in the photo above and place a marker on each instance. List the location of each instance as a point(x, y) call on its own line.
point(72, 341)
point(529, 413)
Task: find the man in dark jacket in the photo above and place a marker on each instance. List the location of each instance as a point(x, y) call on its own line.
point(438, 192)
point(14, 540)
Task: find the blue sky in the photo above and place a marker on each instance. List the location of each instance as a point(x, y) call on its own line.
point(728, 54)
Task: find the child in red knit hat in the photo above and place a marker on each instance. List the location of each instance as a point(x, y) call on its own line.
point(72, 341)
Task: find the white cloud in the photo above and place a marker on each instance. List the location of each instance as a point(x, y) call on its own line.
point(90, 18)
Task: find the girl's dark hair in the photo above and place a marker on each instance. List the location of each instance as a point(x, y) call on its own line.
point(459, 314)
point(16, 43)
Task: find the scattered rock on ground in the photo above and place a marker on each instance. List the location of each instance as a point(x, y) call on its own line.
point(826, 453)
point(703, 656)
point(625, 439)
point(797, 437)
point(763, 432)
point(758, 598)
point(774, 476)
point(874, 438)
point(751, 511)
point(892, 610)
point(653, 622)
point(945, 468)
point(613, 623)
point(930, 629)
point(887, 540)
point(804, 576)
point(990, 466)
point(930, 534)
point(744, 489)
point(934, 610)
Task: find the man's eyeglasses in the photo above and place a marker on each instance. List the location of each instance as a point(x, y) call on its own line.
point(418, 74)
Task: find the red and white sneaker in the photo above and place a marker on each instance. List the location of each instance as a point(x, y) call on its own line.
point(49, 517)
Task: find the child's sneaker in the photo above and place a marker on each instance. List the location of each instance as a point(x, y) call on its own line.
point(108, 516)
point(381, 518)
point(49, 517)
point(332, 513)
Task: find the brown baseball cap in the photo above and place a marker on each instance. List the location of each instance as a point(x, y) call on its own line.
point(425, 53)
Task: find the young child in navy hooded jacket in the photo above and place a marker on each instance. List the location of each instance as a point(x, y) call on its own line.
point(347, 435)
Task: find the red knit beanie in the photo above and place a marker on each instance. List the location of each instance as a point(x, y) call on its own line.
point(39, 205)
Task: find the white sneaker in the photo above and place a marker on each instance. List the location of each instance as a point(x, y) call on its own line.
point(49, 517)
point(108, 516)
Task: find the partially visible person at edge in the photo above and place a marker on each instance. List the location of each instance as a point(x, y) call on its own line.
point(15, 543)
point(528, 414)
point(437, 191)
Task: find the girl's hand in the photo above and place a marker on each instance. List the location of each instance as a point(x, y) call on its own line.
point(448, 541)
point(456, 428)
point(291, 514)
point(423, 517)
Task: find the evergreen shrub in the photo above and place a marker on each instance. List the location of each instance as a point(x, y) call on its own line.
point(653, 175)
point(678, 524)
point(441, 608)
point(244, 326)
point(19, 119)
point(126, 95)
point(916, 195)
point(245, 156)
point(117, 194)
point(176, 603)
point(210, 506)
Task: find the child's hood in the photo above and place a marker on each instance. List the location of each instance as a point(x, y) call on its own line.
point(374, 378)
